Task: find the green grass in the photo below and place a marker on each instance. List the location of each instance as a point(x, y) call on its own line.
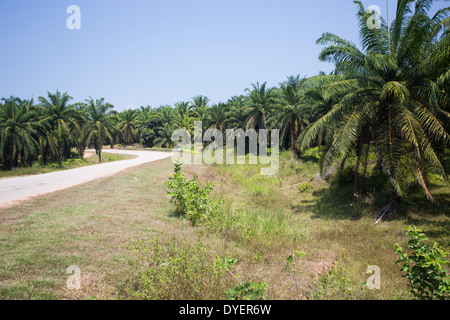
point(322, 218)
point(72, 163)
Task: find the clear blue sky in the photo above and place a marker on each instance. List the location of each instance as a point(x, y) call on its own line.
point(142, 52)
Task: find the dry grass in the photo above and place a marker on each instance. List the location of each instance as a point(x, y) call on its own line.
point(88, 225)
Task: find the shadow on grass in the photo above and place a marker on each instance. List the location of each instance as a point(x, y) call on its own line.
point(337, 203)
point(333, 203)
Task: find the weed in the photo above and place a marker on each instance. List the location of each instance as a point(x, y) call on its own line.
point(425, 267)
point(179, 270)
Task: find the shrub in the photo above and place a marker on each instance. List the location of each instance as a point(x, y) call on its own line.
point(424, 267)
point(189, 196)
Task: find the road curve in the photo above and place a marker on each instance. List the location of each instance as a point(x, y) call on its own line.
point(16, 189)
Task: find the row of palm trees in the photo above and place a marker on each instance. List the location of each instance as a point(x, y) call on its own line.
point(390, 96)
point(49, 130)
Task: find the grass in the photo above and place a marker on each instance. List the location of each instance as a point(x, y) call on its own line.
point(264, 220)
point(74, 162)
point(324, 220)
point(41, 238)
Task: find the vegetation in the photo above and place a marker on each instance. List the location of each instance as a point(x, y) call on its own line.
point(189, 197)
point(365, 152)
point(425, 267)
point(386, 102)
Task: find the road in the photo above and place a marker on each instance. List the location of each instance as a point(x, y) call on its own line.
point(16, 189)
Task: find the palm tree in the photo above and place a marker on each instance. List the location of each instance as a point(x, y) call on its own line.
point(236, 117)
point(164, 138)
point(166, 114)
point(183, 117)
point(128, 125)
point(100, 124)
point(217, 116)
point(199, 106)
point(61, 117)
point(387, 91)
point(182, 109)
point(78, 134)
point(19, 131)
point(291, 114)
point(260, 101)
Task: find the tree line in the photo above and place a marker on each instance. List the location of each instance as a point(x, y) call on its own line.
point(390, 98)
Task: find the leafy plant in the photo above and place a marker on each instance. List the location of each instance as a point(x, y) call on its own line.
point(248, 291)
point(242, 290)
point(424, 267)
point(189, 196)
point(304, 187)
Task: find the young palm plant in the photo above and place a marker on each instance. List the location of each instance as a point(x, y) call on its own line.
point(388, 93)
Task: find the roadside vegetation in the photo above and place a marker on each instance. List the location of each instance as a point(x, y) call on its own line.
point(75, 161)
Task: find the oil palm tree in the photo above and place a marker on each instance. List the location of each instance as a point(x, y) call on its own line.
point(199, 107)
point(100, 124)
point(291, 114)
point(20, 127)
point(184, 118)
point(217, 116)
point(62, 117)
point(259, 102)
point(236, 117)
point(128, 125)
point(166, 114)
point(164, 138)
point(387, 90)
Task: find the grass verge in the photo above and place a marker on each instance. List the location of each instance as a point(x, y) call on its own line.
point(72, 163)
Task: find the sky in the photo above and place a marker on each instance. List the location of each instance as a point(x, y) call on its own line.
point(143, 52)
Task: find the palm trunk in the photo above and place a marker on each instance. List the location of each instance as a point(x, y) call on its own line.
point(355, 184)
point(294, 139)
point(261, 124)
point(341, 168)
point(366, 160)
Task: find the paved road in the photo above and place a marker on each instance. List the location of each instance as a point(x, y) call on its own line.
point(16, 189)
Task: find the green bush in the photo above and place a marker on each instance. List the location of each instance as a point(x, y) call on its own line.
point(189, 196)
point(425, 267)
